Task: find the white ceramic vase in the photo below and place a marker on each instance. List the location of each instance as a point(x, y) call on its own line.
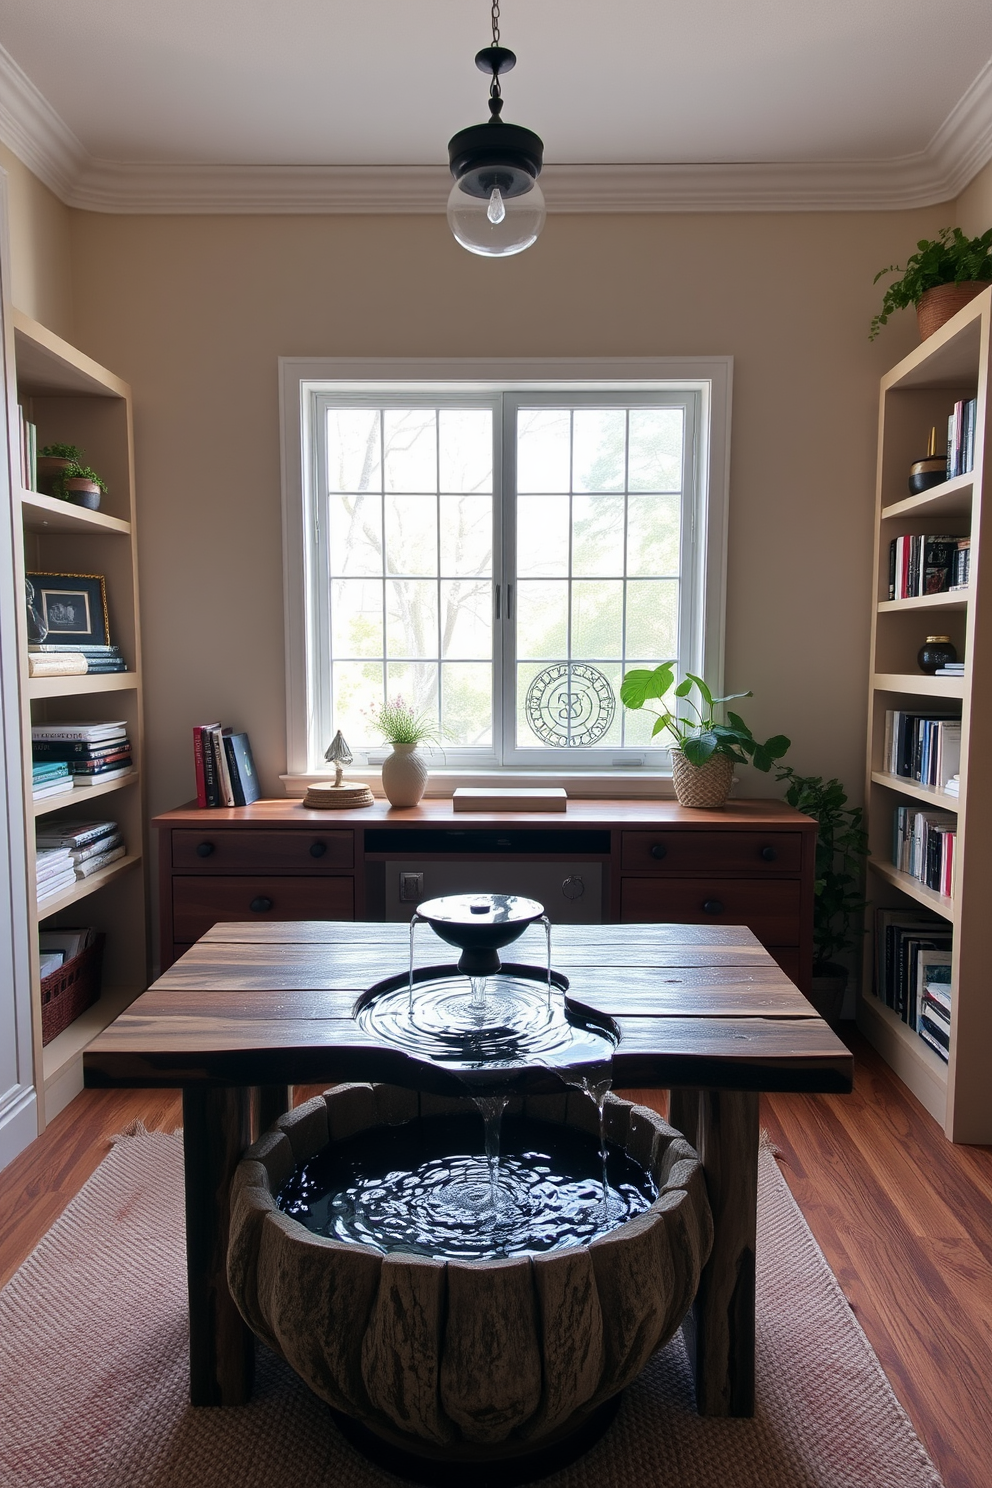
point(404, 776)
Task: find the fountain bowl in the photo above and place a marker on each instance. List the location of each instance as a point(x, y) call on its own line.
point(480, 925)
point(474, 1361)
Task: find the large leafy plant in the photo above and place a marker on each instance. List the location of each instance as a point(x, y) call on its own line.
point(693, 725)
point(841, 848)
point(949, 258)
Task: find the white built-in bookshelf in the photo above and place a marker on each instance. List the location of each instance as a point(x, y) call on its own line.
point(73, 400)
point(953, 364)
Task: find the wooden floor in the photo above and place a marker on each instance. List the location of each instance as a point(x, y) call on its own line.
point(903, 1217)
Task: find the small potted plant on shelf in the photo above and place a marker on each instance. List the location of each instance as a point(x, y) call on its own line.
point(705, 750)
point(53, 461)
point(404, 771)
point(838, 905)
point(941, 277)
point(81, 485)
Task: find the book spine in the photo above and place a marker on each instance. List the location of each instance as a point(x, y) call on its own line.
point(951, 472)
point(938, 563)
point(892, 568)
point(223, 774)
point(968, 436)
point(201, 779)
point(237, 789)
point(210, 770)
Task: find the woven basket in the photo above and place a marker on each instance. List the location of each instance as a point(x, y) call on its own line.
point(937, 305)
point(702, 785)
point(70, 990)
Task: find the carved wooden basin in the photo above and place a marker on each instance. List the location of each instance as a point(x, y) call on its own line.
point(471, 1359)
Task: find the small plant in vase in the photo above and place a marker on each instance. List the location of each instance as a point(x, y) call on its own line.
point(404, 772)
point(53, 461)
point(79, 484)
point(705, 750)
point(941, 277)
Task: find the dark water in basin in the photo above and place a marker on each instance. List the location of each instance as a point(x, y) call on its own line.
point(424, 1188)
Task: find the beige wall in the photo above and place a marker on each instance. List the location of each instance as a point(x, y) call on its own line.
point(194, 311)
point(40, 258)
point(974, 205)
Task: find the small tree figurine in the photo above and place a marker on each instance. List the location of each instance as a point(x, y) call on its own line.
point(339, 755)
point(343, 793)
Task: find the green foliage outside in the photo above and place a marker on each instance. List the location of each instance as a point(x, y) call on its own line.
point(949, 258)
point(697, 732)
point(841, 848)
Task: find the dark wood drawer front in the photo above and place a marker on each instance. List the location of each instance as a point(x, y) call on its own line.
point(770, 909)
point(711, 852)
point(228, 851)
point(198, 903)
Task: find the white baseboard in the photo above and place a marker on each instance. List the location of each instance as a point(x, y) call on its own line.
point(18, 1124)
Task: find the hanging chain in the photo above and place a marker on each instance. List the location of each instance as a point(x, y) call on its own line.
point(495, 91)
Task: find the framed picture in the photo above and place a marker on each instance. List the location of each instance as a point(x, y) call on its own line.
point(72, 607)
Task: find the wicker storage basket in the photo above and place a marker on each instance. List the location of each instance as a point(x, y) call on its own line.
point(70, 990)
point(938, 304)
point(702, 785)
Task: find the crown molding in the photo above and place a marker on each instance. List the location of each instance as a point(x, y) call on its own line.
point(31, 128)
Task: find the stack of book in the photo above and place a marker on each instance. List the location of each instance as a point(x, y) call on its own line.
point(921, 565)
point(952, 787)
point(922, 746)
point(49, 778)
point(225, 770)
point(51, 659)
point(92, 752)
point(902, 936)
point(88, 846)
point(55, 872)
point(961, 438)
point(923, 846)
point(933, 1000)
point(950, 669)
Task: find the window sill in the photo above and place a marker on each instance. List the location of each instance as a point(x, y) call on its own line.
point(595, 785)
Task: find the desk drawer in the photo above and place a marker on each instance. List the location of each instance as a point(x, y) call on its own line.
point(198, 903)
point(771, 909)
point(674, 851)
point(227, 851)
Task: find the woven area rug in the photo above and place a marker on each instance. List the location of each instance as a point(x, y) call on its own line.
point(93, 1372)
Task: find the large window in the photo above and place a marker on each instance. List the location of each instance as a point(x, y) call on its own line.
point(497, 558)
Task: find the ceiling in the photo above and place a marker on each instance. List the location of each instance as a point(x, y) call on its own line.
point(873, 97)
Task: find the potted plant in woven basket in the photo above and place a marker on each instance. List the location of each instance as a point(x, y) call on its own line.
point(704, 750)
point(940, 278)
point(838, 905)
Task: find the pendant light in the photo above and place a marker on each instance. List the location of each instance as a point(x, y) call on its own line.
point(496, 206)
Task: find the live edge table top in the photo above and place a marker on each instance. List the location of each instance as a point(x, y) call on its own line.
point(257, 1004)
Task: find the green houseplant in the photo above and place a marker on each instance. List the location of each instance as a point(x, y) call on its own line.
point(942, 275)
point(838, 905)
point(705, 750)
point(404, 771)
point(53, 461)
point(79, 484)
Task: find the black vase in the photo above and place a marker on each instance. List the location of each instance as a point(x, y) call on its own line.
point(936, 652)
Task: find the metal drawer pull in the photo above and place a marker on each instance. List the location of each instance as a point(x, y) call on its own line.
point(261, 904)
point(318, 849)
point(768, 854)
point(659, 850)
point(204, 849)
point(573, 887)
point(712, 906)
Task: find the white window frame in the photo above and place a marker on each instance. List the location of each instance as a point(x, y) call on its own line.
point(704, 548)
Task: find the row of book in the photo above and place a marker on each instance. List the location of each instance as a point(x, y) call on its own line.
point(50, 659)
point(56, 947)
point(927, 564)
point(961, 437)
point(913, 972)
point(225, 770)
point(922, 746)
point(91, 753)
point(72, 850)
point(29, 452)
point(923, 846)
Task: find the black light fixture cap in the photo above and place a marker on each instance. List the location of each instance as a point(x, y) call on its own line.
point(495, 60)
point(506, 156)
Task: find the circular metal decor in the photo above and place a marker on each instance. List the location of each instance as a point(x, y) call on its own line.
point(570, 707)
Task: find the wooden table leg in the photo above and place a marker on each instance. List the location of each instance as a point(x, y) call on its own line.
point(273, 1101)
point(723, 1127)
point(216, 1131)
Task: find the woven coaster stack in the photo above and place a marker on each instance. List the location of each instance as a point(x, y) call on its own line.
point(349, 793)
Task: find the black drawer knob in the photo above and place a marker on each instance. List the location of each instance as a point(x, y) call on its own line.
point(261, 904)
point(659, 850)
point(712, 906)
point(768, 854)
point(204, 849)
point(318, 849)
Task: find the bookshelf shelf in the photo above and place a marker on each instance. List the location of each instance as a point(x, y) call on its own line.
point(928, 793)
point(951, 366)
point(918, 684)
point(951, 499)
point(72, 399)
point(86, 886)
point(949, 600)
point(85, 793)
point(60, 687)
point(44, 514)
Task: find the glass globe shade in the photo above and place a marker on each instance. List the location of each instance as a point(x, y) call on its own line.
point(495, 226)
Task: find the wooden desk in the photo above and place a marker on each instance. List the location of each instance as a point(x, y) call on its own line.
point(750, 863)
point(703, 1009)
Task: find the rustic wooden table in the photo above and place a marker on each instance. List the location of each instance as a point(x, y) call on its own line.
point(703, 1011)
